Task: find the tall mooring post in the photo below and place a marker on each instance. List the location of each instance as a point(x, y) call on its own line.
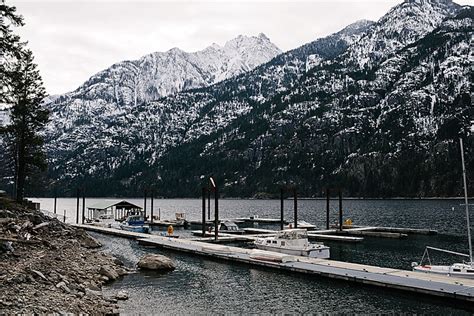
point(216, 212)
point(55, 202)
point(208, 204)
point(295, 206)
point(152, 197)
point(340, 209)
point(77, 205)
point(83, 204)
point(328, 198)
point(216, 206)
point(204, 192)
point(144, 204)
point(282, 192)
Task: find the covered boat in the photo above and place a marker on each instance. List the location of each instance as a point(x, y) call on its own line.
point(293, 242)
point(135, 223)
point(230, 227)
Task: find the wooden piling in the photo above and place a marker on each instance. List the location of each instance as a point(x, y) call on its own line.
point(152, 200)
point(209, 204)
point(55, 202)
point(83, 204)
point(144, 205)
point(64, 217)
point(328, 193)
point(295, 202)
point(77, 206)
point(340, 210)
point(281, 208)
point(216, 212)
point(204, 190)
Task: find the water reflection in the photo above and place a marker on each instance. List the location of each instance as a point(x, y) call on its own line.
point(201, 286)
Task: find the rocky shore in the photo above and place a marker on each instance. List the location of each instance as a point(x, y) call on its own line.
point(47, 266)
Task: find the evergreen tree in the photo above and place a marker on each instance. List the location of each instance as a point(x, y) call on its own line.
point(23, 92)
point(11, 48)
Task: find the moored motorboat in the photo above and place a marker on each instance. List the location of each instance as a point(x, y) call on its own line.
point(135, 223)
point(229, 227)
point(293, 242)
point(302, 225)
point(180, 221)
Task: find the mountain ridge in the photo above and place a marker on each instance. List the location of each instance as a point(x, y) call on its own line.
point(399, 140)
point(162, 73)
point(308, 109)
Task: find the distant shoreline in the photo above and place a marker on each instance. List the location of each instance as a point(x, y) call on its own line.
point(266, 199)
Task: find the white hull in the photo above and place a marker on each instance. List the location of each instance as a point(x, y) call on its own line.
point(321, 253)
point(460, 271)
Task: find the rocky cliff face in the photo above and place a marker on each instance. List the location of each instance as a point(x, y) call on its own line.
point(375, 108)
point(164, 73)
point(385, 127)
point(95, 138)
point(388, 129)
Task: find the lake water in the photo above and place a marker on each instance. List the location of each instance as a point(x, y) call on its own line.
point(202, 286)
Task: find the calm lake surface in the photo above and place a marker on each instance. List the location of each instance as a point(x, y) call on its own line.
point(202, 286)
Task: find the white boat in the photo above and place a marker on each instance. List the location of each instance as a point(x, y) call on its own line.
point(135, 223)
point(460, 270)
point(229, 227)
point(293, 242)
point(303, 225)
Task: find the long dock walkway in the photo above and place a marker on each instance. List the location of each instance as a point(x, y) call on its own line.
point(439, 286)
point(311, 235)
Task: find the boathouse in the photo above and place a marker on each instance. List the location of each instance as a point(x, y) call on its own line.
point(117, 210)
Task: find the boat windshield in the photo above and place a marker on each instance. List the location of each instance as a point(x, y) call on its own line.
point(135, 218)
point(293, 234)
point(229, 226)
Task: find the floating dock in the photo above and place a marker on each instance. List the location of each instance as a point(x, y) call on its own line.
point(258, 220)
point(400, 230)
point(415, 282)
point(311, 235)
point(333, 234)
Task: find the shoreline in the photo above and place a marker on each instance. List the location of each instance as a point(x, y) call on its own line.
point(47, 266)
point(267, 199)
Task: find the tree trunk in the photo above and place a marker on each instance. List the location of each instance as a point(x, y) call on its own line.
point(21, 171)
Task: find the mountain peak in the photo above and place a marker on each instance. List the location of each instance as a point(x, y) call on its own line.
point(175, 50)
point(404, 24)
point(357, 27)
point(163, 73)
point(430, 1)
point(251, 44)
point(263, 36)
point(446, 5)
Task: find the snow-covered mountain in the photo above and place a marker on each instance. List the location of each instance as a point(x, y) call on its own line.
point(402, 25)
point(89, 137)
point(317, 115)
point(164, 73)
point(385, 128)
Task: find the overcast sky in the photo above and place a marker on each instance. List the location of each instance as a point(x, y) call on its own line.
point(74, 39)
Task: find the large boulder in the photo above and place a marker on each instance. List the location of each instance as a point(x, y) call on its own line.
point(156, 262)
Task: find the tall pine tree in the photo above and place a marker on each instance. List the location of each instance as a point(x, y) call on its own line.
point(23, 93)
